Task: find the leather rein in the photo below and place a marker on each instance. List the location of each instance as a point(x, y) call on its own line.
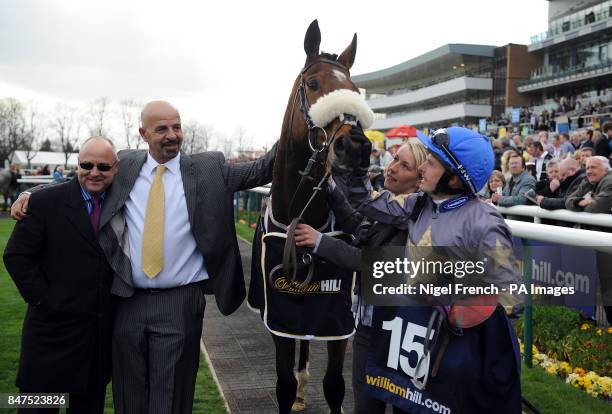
point(317, 157)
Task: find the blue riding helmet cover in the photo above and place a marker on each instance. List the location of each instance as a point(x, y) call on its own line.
point(471, 149)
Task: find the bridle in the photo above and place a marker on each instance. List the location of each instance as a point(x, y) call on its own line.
point(317, 157)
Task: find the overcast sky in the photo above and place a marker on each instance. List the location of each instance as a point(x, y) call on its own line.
point(228, 64)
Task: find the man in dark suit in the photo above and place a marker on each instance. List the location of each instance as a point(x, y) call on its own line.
point(164, 262)
point(61, 271)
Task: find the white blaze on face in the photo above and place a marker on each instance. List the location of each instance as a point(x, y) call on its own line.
point(339, 75)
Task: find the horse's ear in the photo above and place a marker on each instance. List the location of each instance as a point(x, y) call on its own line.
point(312, 41)
point(347, 58)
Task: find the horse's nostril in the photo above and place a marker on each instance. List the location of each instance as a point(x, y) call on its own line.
point(340, 145)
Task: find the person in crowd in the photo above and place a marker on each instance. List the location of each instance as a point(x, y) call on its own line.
point(45, 170)
point(496, 183)
point(521, 181)
point(168, 233)
point(375, 157)
point(584, 154)
point(58, 173)
point(540, 157)
point(570, 176)
point(504, 162)
point(576, 140)
point(517, 143)
point(566, 146)
point(555, 148)
point(602, 143)
point(593, 195)
point(385, 157)
point(13, 189)
point(587, 138)
point(528, 145)
point(54, 258)
point(549, 185)
point(377, 178)
point(446, 213)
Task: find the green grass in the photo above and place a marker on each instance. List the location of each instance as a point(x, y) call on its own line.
point(243, 230)
point(12, 309)
point(552, 396)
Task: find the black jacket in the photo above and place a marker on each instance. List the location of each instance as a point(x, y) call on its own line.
point(61, 271)
point(557, 201)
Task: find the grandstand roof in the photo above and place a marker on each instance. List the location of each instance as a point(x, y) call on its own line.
point(394, 73)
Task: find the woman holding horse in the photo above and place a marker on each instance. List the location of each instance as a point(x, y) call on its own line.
point(402, 178)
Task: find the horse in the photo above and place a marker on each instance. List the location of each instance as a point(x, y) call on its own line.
point(315, 140)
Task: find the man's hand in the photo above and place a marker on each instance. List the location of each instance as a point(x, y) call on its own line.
point(19, 209)
point(554, 184)
point(585, 202)
point(305, 236)
point(539, 199)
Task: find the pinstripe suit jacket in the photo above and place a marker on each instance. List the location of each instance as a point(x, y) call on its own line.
point(209, 183)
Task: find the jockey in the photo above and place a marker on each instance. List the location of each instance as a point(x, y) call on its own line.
point(471, 360)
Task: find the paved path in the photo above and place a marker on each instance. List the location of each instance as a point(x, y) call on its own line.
point(242, 355)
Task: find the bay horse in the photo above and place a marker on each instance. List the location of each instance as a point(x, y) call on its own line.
point(315, 140)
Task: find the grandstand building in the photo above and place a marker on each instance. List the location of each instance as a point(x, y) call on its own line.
point(574, 55)
point(456, 83)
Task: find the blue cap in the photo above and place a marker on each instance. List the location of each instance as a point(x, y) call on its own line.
point(472, 150)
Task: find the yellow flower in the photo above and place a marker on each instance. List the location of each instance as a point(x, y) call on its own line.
point(585, 327)
point(599, 331)
point(610, 329)
point(579, 371)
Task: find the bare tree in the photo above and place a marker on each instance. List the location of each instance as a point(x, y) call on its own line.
point(33, 135)
point(242, 139)
point(196, 137)
point(130, 119)
point(11, 127)
point(67, 127)
point(97, 116)
point(228, 147)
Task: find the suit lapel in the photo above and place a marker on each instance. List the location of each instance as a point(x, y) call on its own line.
point(129, 169)
point(78, 216)
point(189, 185)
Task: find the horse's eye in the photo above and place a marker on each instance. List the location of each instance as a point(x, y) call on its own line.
point(313, 84)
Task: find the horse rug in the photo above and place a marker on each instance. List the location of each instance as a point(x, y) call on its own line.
point(320, 310)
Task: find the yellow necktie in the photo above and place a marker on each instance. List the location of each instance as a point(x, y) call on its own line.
point(153, 233)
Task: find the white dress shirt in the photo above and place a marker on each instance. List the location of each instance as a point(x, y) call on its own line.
point(183, 262)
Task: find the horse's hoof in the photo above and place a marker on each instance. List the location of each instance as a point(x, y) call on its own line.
point(299, 404)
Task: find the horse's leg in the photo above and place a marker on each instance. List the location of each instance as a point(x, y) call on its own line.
point(333, 382)
point(302, 376)
point(286, 383)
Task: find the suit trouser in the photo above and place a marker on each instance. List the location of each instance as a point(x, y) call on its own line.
point(156, 350)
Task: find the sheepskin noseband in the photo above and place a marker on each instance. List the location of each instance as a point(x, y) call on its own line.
point(341, 101)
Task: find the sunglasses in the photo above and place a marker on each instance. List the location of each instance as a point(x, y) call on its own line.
point(441, 140)
point(102, 167)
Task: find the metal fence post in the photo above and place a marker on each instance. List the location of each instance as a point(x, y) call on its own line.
point(249, 206)
point(528, 314)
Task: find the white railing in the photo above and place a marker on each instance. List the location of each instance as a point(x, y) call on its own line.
point(35, 179)
point(537, 213)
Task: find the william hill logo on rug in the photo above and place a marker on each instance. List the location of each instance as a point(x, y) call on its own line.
point(320, 286)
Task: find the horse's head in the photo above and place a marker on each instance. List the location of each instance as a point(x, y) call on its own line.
point(323, 107)
point(328, 105)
